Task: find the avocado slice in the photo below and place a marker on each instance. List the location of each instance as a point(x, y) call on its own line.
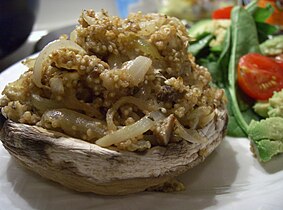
point(273, 46)
point(267, 137)
point(266, 149)
point(201, 27)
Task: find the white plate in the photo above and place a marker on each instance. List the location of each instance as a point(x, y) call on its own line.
point(231, 178)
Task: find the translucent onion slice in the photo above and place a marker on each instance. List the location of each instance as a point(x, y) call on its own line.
point(141, 104)
point(93, 20)
point(29, 62)
point(127, 132)
point(43, 104)
point(90, 20)
point(190, 135)
point(148, 48)
point(138, 68)
point(204, 120)
point(157, 116)
point(56, 85)
point(46, 51)
point(74, 124)
point(74, 35)
point(70, 102)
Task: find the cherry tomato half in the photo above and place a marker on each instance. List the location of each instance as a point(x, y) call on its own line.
point(279, 60)
point(222, 13)
point(259, 76)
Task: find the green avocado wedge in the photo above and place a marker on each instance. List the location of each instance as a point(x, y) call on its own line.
point(266, 137)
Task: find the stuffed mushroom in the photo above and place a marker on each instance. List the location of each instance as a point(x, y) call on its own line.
point(117, 107)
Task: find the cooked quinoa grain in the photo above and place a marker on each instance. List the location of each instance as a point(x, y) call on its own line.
point(116, 74)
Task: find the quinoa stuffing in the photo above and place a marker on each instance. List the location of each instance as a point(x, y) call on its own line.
point(128, 83)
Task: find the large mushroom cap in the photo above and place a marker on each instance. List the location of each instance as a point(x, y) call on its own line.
point(86, 167)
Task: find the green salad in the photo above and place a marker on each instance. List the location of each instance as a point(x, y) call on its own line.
point(240, 53)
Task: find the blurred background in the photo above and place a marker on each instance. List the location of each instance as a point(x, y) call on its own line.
point(28, 25)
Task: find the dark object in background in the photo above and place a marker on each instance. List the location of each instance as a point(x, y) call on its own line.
point(53, 35)
point(16, 21)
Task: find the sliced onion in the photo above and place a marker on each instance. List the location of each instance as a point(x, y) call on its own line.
point(91, 20)
point(157, 116)
point(141, 104)
point(43, 104)
point(46, 51)
point(138, 68)
point(115, 61)
point(196, 115)
point(127, 132)
point(56, 85)
point(148, 48)
point(204, 120)
point(190, 135)
point(74, 35)
point(74, 124)
point(147, 27)
point(29, 62)
point(70, 102)
point(133, 70)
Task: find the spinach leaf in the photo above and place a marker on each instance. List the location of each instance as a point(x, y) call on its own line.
point(252, 7)
point(212, 67)
point(244, 35)
point(233, 128)
point(261, 14)
point(196, 47)
point(221, 78)
point(216, 49)
point(244, 40)
point(245, 105)
point(264, 30)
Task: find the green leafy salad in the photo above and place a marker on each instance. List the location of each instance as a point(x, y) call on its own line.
point(244, 57)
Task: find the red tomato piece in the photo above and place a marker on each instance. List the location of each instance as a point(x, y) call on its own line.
point(222, 13)
point(259, 76)
point(279, 60)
